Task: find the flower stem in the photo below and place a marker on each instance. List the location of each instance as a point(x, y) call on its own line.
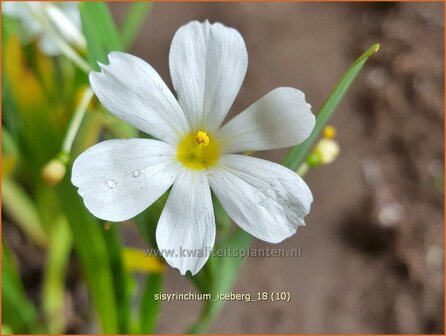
point(303, 169)
point(76, 121)
point(69, 52)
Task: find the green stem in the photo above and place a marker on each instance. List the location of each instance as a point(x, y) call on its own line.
point(149, 308)
point(303, 169)
point(76, 121)
point(21, 208)
point(55, 274)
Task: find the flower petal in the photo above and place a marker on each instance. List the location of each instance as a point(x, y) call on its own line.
point(208, 63)
point(264, 198)
point(118, 179)
point(14, 9)
point(279, 119)
point(47, 46)
point(65, 24)
point(133, 91)
point(186, 229)
point(23, 11)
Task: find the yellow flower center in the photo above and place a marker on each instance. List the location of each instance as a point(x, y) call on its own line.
point(198, 150)
point(202, 138)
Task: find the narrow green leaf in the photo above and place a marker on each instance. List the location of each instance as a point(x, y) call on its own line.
point(53, 295)
point(297, 154)
point(9, 146)
point(18, 312)
point(222, 278)
point(20, 207)
point(133, 22)
point(149, 308)
point(120, 277)
point(92, 250)
point(100, 31)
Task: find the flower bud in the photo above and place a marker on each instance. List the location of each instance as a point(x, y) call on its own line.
point(327, 151)
point(329, 132)
point(53, 172)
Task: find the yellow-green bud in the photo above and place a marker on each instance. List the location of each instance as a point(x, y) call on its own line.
point(53, 172)
point(327, 151)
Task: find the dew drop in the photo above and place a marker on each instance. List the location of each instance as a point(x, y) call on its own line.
point(111, 184)
point(136, 173)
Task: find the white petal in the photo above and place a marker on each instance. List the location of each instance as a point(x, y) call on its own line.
point(64, 24)
point(133, 91)
point(118, 179)
point(207, 66)
point(279, 119)
point(265, 199)
point(13, 8)
point(186, 229)
point(71, 9)
point(25, 12)
point(47, 46)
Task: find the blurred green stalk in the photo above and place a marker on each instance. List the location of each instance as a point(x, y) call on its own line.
point(21, 209)
point(54, 276)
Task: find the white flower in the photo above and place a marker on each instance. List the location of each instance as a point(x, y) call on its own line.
point(37, 17)
point(118, 179)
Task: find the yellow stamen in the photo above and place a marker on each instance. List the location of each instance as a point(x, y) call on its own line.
point(198, 150)
point(202, 138)
point(329, 132)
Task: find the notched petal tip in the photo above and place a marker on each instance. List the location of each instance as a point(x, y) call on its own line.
point(111, 57)
point(101, 65)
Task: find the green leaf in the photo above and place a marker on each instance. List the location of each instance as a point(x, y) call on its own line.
point(100, 31)
point(120, 276)
point(297, 154)
point(55, 275)
point(149, 308)
point(21, 208)
point(9, 146)
point(133, 22)
point(18, 312)
point(92, 250)
point(223, 273)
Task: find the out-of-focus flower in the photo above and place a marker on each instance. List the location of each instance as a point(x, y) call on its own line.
point(118, 179)
point(37, 18)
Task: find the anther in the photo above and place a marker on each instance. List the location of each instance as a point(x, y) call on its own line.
point(202, 138)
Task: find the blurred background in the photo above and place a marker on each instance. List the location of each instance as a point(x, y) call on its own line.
point(372, 250)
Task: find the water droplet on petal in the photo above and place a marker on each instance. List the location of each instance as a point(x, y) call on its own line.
point(136, 173)
point(111, 184)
